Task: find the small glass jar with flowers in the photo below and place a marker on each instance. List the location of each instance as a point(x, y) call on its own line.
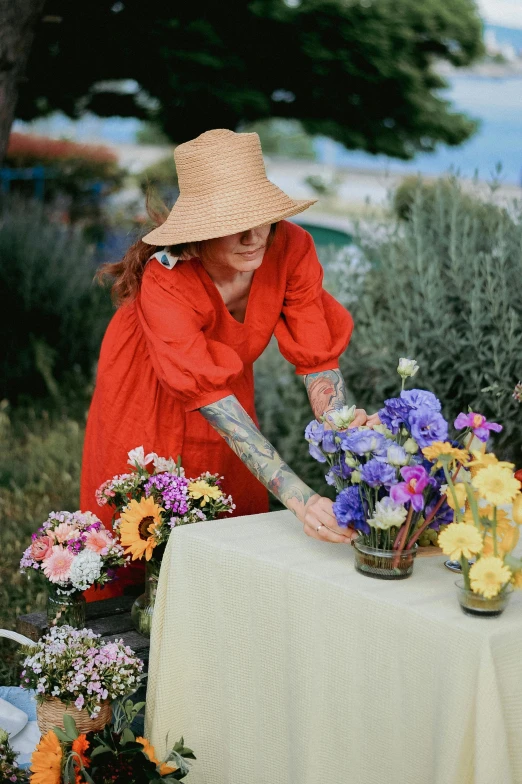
point(149, 502)
point(75, 672)
point(72, 551)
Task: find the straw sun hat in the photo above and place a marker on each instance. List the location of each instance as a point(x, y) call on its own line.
point(223, 190)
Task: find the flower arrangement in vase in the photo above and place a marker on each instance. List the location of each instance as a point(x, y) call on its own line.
point(488, 513)
point(73, 551)
point(148, 504)
point(390, 487)
point(113, 756)
point(74, 672)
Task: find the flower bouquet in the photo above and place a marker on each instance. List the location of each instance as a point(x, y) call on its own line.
point(114, 756)
point(150, 503)
point(390, 485)
point(75, 673)
point(9, 770)
point(488, 513)
point(73, 551)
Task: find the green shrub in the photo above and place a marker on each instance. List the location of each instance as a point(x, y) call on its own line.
point(40, 461)
point(53, 315)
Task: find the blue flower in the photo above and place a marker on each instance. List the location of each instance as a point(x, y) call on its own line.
point(338, 472)
point(427, 426)
point(329, 444)
point(443, 517)
point(314, 432)
point(349, 510)
point(316, 453)
point(420, 398)
point(394, 414)
point(376, 473)
point(362, 441)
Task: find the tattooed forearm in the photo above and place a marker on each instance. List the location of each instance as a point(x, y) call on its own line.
point(232, 422)
point(326, 391)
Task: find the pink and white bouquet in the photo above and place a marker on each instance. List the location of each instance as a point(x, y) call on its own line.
point(155, 497)
point(77, 667)
point(74, 551)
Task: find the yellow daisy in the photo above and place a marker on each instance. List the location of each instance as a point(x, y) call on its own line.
point(517, 509)
point(483, 459)
point(460, 492)
point(443, 448)
point(496, 484)
point(138, 524)
point(203, 490)
point(507, 539)
point(46, 762)
point(460, 539)
point(488, 576)
point(516, 580)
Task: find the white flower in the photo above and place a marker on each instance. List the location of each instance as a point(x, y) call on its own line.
point(341, 418)
point(388, 514)
point(85, 570)
point(396, 455)
point(166, 464)
point(411, 446)
point(383, 430)
point(407, 367)
point(355, 477)
point(137, 457)
point(350, 460)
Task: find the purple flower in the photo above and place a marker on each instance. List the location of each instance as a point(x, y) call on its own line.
point(443, 517)
point(412, 489)
point(338, 472)
point(314, 432)
point(172, 490)
point(376, 473)
point(349, 510)
point(427, 426)
point(362, 441)
point(394, 414)
point(478, 424)
point(316, 453)
point(420, 398)
point(329, 444)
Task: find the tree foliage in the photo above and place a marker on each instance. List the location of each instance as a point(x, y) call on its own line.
point(361, 72)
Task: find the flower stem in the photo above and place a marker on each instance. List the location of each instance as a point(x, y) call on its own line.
point(464, 563)
point(494, 532)
point(402, 536)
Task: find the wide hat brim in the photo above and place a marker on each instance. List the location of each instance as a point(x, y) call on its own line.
point(207, 216)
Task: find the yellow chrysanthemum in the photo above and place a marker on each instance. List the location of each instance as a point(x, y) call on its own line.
point(507, 539)
point(443, 448)
point(460, 492)
point(138, 523)
point(483, 459)
point(496, 484)
point(488, 576)
point(517, 509)
point(46, 762)
point(203, 490)
point(460, 539)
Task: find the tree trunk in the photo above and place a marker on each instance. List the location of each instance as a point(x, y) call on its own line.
point(18, 19)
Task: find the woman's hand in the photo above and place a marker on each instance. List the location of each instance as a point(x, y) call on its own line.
point(320, 523)
point(360, 418)
point(373, 420)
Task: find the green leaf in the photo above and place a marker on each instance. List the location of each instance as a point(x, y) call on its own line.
point(60, 734)
point(101, 750)
point(127, 736)
point(70, 726)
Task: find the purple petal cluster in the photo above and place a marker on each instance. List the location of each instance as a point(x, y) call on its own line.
point(172, 491)
point(349, 510)
point(378, 474)
point(478, 424)
point(405, 410)
point(427, 426)
point(363, 441)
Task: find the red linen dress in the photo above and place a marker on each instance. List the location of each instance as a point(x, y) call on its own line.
point(176, 348)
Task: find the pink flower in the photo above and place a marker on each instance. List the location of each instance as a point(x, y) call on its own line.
point(478, 424)
point(65, 531)
point(411, 491)
point(41, 547)
point(57, 566)
point(99, 541)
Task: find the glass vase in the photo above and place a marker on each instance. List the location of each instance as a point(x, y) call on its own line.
point(65, 609)
point(143, 607)
point(477, 605)
point(383, 564)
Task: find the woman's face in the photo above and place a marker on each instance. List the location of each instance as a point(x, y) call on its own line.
point(242, 252)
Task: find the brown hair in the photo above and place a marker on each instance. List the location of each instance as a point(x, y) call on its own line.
point(128, 272)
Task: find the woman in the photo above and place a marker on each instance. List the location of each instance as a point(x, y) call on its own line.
point(199, 299)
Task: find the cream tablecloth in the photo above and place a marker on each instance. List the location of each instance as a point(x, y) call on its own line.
point(282, 665)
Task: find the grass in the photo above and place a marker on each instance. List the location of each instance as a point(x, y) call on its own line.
point(40, 459)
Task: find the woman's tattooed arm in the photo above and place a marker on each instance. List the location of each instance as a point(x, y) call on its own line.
point(326, 391)
point(232, 422)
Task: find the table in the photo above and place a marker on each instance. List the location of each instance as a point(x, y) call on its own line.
point(279, 664)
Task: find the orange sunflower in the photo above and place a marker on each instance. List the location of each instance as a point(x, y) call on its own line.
point(46, 762)
point(149, 751)
point(138, 524)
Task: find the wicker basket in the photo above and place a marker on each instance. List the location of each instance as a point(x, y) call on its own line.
point(50, 714)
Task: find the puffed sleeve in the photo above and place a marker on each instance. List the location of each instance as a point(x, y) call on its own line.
point(313, 329)
point(191, 367)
